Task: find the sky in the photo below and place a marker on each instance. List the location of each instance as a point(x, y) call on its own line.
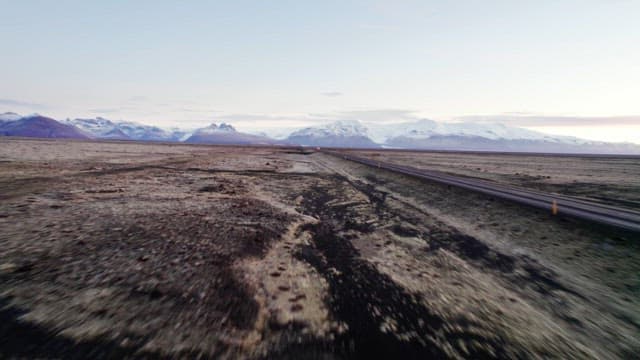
point(564, 67)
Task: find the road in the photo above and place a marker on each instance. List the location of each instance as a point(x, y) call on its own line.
point(555, 203)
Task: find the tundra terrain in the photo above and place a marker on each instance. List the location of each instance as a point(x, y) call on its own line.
point(132, 250)
point(609, 179)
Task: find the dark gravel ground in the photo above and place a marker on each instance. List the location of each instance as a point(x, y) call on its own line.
point(157, 251)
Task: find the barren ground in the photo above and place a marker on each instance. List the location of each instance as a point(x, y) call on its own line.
point(607, 179)
point(111, 250)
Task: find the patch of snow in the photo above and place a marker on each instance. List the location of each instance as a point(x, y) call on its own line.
point(213, 129)
point(10, 116)
point(97, 127)
point(341, 128)
point(424, 129)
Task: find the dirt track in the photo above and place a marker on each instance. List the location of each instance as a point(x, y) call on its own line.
point(112, 250)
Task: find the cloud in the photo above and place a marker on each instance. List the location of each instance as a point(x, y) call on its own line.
point(273, 124)
point(22, 104)
point(377, 115)
point(520, 113)
point(376, 27)
point(198, 110)
point(274, 121)
point(138, 99)
point(106, 111)
point(332, 93)
point(390, 116)
point(259, 117)
point(542, 120)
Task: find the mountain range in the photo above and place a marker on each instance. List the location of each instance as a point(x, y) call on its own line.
point(422, 134)
point(226, 134)
point(12, 124)
point(432, 135)
point(101, 128)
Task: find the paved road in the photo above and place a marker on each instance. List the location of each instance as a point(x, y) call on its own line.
point(555, 203)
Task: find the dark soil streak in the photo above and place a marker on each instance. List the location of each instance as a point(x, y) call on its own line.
point(366, 300)
point(541, 279)
point(472, 248)
point(249, 172)
point(168, 268)
point(376, 197)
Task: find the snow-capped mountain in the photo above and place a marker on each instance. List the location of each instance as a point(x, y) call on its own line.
point(345, 133)
point(99, 128)
point(422, 134)
point(425, 128)
point(37, 126)
point(227, 134)
point(138, 131)
point(429, 134)
point(102, 128)
point(10, 116)
point(477, 143)
point(215, 129)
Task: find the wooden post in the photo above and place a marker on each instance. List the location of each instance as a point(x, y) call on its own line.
point(554, 207)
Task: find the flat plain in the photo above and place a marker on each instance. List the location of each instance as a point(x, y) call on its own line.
point(122, 249)
point(609, 179)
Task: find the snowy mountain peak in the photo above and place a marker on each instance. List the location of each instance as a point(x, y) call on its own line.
point(421, 133)
point(98, 127)
point(425, 129)
point(418, 134)
point(34, 115)
point(10, 116)
point(342, 128)
point(349, 133)
point(102, 128)
point(213, 128)
point(226, 127)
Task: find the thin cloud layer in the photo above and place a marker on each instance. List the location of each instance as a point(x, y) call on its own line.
point(541, 120)
point(332, 93)
point(22, 104)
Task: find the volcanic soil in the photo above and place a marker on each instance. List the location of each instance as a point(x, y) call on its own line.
point(131, 250)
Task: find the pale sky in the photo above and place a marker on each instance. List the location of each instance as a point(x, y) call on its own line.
point(270, 64)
